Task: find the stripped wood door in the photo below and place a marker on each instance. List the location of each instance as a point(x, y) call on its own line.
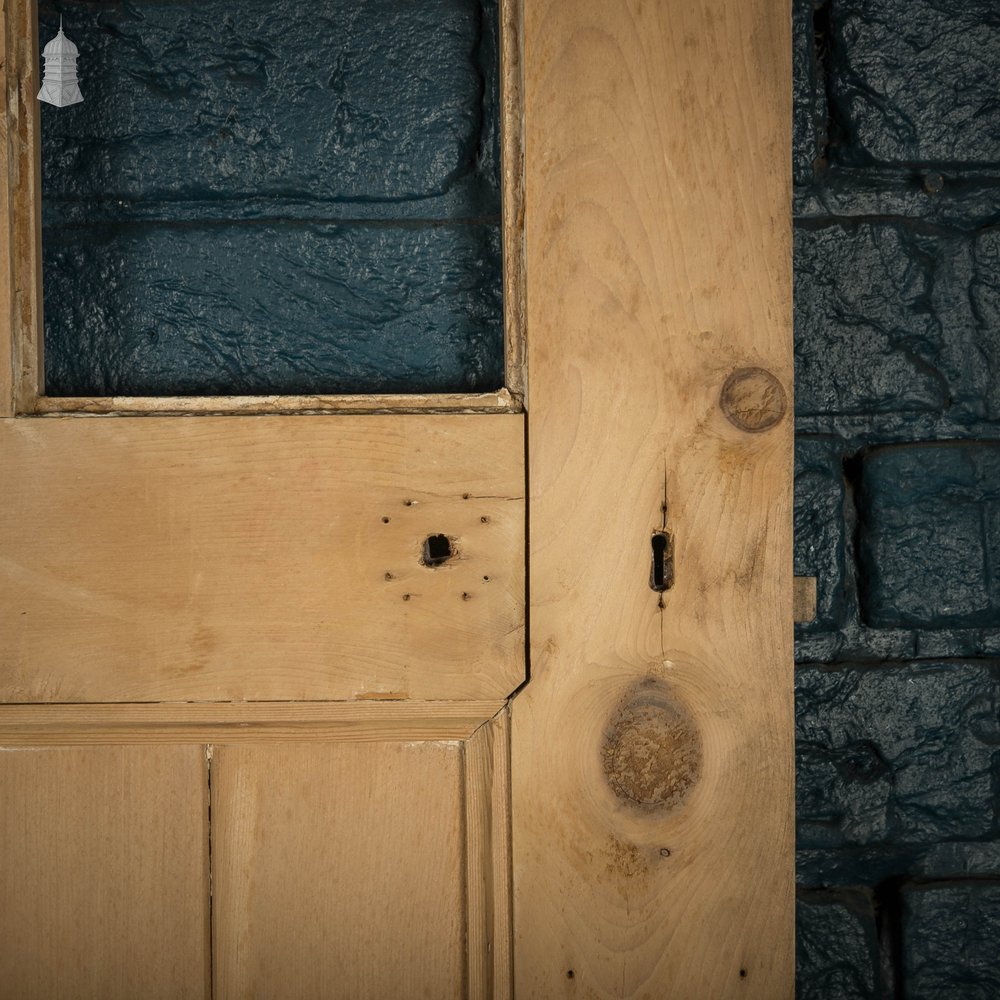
point(254, 672)
point(264, 741)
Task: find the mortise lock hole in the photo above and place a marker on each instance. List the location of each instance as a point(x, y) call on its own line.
point(437, 550)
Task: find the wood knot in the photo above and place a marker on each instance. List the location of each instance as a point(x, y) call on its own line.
point(753, 399)
point(652, 751)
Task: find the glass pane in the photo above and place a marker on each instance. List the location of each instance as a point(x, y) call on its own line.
point(274, 197)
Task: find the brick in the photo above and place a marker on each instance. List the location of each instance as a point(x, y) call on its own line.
point(957, 859)
point(374, 101)
point(836, 953)
point(950, 935)
point(881, 863)
point(262, 308)
point(808, 94)
point(819, 526)
point(929, 539)
point(900, 755)
point(915, 83)
point(985, 297)
point(883, 322)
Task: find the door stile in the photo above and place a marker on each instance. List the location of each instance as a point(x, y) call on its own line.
point(20, 194)
point(652, 749)
point(488, 859)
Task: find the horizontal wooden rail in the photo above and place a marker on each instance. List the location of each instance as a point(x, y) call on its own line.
point(248, 722)
point(500, 401)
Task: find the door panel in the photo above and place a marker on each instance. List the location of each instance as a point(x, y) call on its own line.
point(261, 558)
point(103, 864)
point(338, 871)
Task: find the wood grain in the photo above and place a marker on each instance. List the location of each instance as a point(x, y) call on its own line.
point(488, 875)
point(103, 873)
point(652, 746)
point(512, 189)
point(20, 177)
point(246, 722)
point(804, 598)
point(253, 558)
point(8, 78)
point(338, 871)
point(484, 402)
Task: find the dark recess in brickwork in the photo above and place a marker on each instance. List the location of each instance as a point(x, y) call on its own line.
point(949, 940)
point(274, 197)
point(896, 163)
point(838, 945)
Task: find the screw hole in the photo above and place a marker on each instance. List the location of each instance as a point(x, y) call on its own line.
point(406, 597)
point(407, 503)
point(388, 576)
point(484, 519)
point(664, 852)
point(486, 579)
point(437, 550)
point(743, 973)
point(466, 597)
point(385, 520)
point(570, 973)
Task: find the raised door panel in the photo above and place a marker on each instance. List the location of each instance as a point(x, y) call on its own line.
point(103, 873)
point(339, 871)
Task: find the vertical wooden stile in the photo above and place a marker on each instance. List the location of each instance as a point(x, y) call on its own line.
point(6, 230)
point(512, 151)
point(652, 747)
point(20, 180)
point(487, 835)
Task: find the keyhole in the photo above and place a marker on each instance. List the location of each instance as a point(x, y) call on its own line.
point(661, 575)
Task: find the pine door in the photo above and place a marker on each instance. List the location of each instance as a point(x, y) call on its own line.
point(272, 722)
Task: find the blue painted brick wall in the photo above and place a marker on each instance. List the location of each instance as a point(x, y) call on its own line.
point(274, 197)
point(949, 939)
point(838, 945)
point(896, 161)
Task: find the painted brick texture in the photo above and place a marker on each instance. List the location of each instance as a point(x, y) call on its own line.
point(273, 307)
point(929, 535)
point(950, 945)
point(272, 197)
point(896, 161)
point(897, 754)
point(838, 945)
point(915, 83)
